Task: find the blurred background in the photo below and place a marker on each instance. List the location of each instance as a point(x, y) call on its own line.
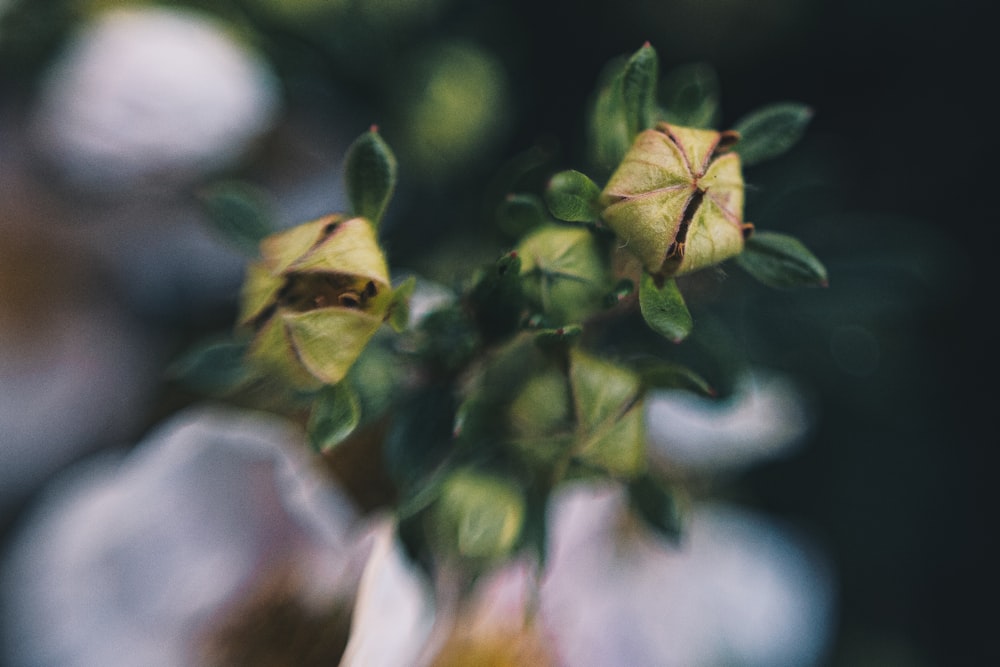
point(114, 116)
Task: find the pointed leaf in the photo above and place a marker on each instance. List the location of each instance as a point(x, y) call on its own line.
point(572, 196)
point(609, 137)
point(639, 89)
point(657, 504)
point(782, 261)
point(239, 212)
point(664, 309)
point(370, 175)
point(518, 214)
point(399, 307)
point(690, 96)
point(335, 414)
point(214, 367)
point(770, 131)
point(658, 374)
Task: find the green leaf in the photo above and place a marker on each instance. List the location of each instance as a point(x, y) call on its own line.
point(659, 374)
point(609, 137)
point(657, 504)
point(239, 212)
point(639, 90)
point(770, 131)
point(370, 175)
point(399, 307)
point(561, 338)
point(690, 96)
point(419, 439)
point(572, 196)
point(497, 298)
point(518, 214)
point(213, 367)
point(335, 414)
point(781, 261)
point(664, 309)
point(479, 516)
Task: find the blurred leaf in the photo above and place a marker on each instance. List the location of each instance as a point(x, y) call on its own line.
point(520, 213)
point(690, 96)
point(370, 175)
point(608, 132)
point(498, 299)
point(657, 504)
point(239, 212)
point(214, 368)
point(335, 414)
point(419, 438)
point(664, 309)
point(782, 261)
point(399, 308)
point(659, 374)
point(770, 131)
point(572, 196)
point(479, 515)
point(639, 90)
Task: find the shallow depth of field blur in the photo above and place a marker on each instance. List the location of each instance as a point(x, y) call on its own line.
point(114, 114)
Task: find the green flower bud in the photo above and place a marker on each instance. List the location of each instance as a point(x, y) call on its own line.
point(676, 199)
point(479, 516)
point(315, 299)
point(565, 273)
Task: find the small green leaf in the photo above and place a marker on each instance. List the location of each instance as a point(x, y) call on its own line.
point(782, 261)
point(690, 96)
point(657, 505)
point(419, 439)
point(370, 175)
point(239, 212)
point(659, 374)
point(639, 89)
point(518, 214)
point(399, 307)
point(608, 133)
point(479, 515)
point(664, 309)
point(497, 298)
point(572, 196)
point(214, 367)
point(335, 414)
point(561, 338)
point(770, 131)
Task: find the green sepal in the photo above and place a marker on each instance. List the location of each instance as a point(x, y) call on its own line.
point(657, 504)
point(664, 309)
point(690, 96)
point(335, 414)
point(659, 374)
point(479, 516)
point(607, 400)
point(572, 196)
point(561, 338)
point(782, 261)
point(213, 367)
point(770, 131)
point(520, 213)
point(399, 307)
point(639, 89)
point(370, 175)
point(239, 212)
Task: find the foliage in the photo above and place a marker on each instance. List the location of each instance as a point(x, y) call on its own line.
point(491, 401)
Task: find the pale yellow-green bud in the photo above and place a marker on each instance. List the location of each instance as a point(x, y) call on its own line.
point(479, 515)
point(676, 199)
point(315, 298)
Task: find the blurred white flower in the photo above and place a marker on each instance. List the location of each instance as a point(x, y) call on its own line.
point(739, 590)
point(146, 95)
point(133, 559)
point(765, 417)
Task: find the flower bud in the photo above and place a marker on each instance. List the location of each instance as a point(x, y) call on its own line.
point(315, 298)
point(480, 515)
point(676, 199)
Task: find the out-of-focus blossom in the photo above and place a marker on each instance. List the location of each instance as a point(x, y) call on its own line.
point(739, 590)
point(138, 560)
point(76, 372)
point(764, 417)
point(151, 95)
